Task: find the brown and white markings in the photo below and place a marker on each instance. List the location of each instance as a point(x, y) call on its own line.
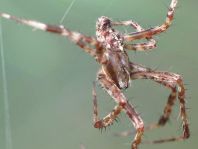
point(109, 50)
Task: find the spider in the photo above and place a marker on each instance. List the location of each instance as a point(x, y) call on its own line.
point(116, 72)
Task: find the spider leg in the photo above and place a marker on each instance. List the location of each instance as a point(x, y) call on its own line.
point(131, 23)
point(156, 30)
point(122, 104)
point(81, 40)
point(107, 120)
point(175, 83)
point(151, 44)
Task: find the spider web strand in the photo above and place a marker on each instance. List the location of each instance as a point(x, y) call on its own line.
point(8, 135)
point(67, 11)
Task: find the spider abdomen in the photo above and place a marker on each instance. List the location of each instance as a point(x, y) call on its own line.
point(117, 67)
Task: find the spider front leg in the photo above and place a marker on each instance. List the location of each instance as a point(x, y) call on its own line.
point(175, 83)
point(89, 44)
point(151, 44)
point(131, 23)
point(156, 30)
point(122, 104)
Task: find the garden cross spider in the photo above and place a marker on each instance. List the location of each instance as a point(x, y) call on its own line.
point(108, 49)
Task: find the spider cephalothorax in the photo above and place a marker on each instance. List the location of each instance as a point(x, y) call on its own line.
point(109, 37)
point(108, 48)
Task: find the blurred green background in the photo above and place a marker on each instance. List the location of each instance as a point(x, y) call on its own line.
point(50, 78)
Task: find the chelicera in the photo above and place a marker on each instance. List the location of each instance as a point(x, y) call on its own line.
point(109, 50)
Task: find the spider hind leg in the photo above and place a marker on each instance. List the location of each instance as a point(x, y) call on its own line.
point(122, 104)
point(107, 120)
point(175, 83)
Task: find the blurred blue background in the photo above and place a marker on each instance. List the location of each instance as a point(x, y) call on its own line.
point(50, 79)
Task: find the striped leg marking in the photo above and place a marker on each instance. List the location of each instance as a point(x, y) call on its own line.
point(82, 41)
point(175, 83)
point(156, 30)
point(151, 44)
point(122, 104)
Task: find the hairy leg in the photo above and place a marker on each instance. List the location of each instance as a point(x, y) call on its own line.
point(122, 104)
point(151, 44)
point(131, 23)
point(175, 83)
point(148, 33)
point(89, 44)
point(107, 120)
